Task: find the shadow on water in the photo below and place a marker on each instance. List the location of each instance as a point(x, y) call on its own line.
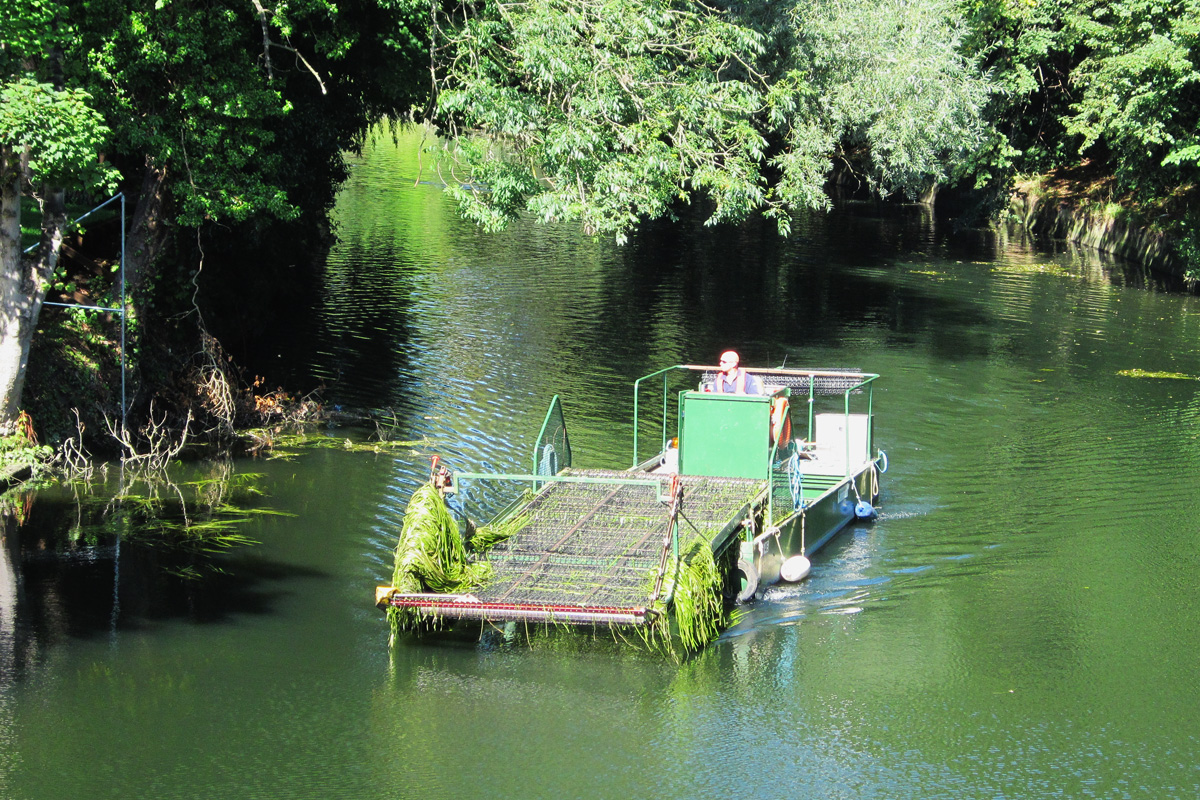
point(126, 553)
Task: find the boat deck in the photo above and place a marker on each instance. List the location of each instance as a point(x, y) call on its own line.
point(590, 551)
point(599, 544)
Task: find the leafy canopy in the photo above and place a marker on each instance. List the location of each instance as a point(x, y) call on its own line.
point(883, 86)
point(602, 111)
point(613, 111)
point(59, 129)
point(1140, 85)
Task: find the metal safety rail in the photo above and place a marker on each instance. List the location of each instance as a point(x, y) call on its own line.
point(812, 383)
point(797, 481)
point(594, 546)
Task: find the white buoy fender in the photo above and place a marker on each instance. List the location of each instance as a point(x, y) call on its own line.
point(795, 569)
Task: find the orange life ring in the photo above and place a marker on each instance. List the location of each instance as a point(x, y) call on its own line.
point(781, 423)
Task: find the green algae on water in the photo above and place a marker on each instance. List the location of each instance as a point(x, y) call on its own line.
point(1141, 373)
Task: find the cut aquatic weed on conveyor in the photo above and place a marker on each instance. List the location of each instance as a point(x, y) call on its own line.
point(430, 556)
point(696, 610)
point(488, 536)
point(624, 560)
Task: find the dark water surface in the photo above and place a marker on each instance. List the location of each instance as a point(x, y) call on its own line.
point(1021, 622)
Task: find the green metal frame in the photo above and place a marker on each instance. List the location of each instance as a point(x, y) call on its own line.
point(554, 426)
point(665, 398)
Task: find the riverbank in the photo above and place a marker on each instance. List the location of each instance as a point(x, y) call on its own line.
point(22, 459)
point(1072, 204)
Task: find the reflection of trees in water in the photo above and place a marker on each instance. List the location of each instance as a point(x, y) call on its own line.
point(8, 624)
point(190, 521)
point(134, 545)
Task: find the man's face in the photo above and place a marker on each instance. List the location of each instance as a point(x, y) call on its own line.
point(729, 362)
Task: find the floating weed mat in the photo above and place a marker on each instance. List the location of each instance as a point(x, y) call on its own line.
point(287, 445)
point(1056, 270)
point(430, 557)
point(1141, 373)
point(696, 611)
point(188, 523)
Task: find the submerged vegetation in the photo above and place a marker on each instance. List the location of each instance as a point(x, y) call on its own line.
point(183, 522)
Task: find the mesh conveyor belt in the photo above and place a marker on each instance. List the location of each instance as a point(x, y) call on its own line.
point(600, 544)
point(825, 384)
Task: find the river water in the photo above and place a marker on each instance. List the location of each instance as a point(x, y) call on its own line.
point(1019, 622)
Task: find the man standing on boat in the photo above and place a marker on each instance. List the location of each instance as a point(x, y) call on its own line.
point(732, 379)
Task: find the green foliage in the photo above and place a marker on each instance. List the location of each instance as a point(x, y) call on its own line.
point(61, 130)
point(880, 85)
point(18, 451)
point(58, 127)
point(244, 114)
point(74, 364)
point(609, 112)
point(1187, 247)
point(1029, 49)
point(191, 97)
point(1139, 86)
point(601, 111)
point(1115, 82)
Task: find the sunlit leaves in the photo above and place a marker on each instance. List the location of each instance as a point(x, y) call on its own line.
point(60, 130)
point(1139, 86)
point(600, 111)
point(609, 112)
point(883, 82)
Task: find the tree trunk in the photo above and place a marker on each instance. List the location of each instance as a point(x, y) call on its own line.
point(11, 304)
point(23, 284)
point(149, 232)
point(929, 196)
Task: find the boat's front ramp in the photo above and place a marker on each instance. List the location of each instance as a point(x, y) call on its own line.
point(592, 548)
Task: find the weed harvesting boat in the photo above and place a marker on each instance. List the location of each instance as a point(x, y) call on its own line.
point(729, 503)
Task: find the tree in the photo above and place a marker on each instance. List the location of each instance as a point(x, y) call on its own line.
point(1112, 84)
point(882, 87)
point(613, 111)
point(1139, 88)
point(597, 111)
point(240, 112)
point(220, 117)
point(50, 139)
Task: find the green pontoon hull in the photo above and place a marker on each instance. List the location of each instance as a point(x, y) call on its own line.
point(806, 531)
